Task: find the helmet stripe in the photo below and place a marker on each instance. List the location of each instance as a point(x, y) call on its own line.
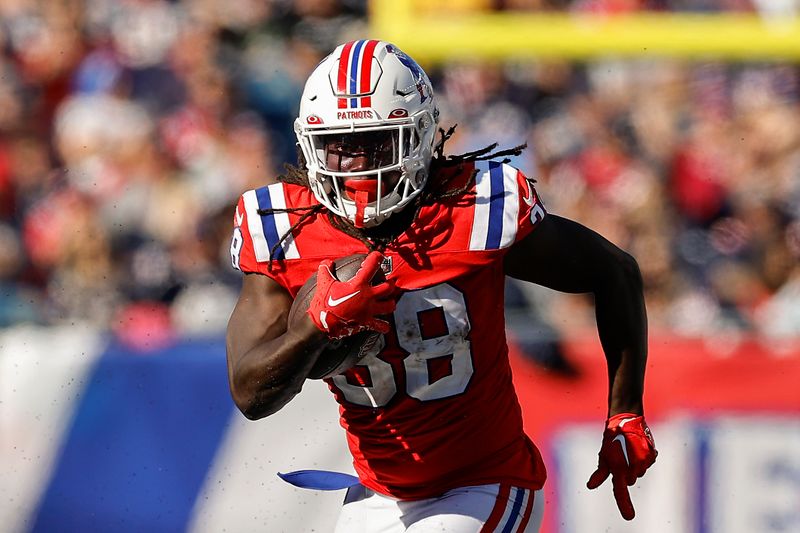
point(366, 72)
point(341, 80)
point(354, 72)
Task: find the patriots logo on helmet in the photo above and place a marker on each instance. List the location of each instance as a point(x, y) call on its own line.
point(415, 69)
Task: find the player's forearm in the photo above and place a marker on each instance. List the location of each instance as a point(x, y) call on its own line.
point(622, 325)
point(267, 376)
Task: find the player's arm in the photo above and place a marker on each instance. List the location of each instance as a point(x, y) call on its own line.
point(267, 363)
point(568, 257)
point(270, 356)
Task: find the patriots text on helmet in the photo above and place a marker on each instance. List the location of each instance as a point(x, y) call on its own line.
point(360, 114)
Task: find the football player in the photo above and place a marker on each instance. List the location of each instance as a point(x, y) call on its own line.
point(431, 416)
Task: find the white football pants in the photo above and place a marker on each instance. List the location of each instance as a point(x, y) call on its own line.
point(480, 509)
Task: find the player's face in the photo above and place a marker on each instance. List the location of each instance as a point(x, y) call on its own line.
point(359, 152)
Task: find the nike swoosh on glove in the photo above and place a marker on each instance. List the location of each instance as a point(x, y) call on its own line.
point(344, 308)
point(628, 450)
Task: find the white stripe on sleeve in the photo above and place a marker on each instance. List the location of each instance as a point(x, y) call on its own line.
point(260, 245)
point(510, 206)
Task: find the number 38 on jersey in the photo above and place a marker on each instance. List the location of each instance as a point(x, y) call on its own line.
point(432, 327)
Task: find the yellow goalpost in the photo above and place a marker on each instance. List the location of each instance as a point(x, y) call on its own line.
point(435, 30)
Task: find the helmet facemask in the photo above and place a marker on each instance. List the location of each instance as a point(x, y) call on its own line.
point(366, 173)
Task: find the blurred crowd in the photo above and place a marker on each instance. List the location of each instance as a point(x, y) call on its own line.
point(128, 129)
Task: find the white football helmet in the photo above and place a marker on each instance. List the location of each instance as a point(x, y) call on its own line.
point(368, 86)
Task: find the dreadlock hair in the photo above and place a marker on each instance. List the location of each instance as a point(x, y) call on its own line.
point(445, 167)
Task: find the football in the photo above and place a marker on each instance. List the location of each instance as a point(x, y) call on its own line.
point(340, 354)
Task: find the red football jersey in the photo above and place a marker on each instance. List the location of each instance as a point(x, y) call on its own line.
point(436, 408)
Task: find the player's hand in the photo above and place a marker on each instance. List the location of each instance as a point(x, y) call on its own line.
point(343, 308)
point(628, 450)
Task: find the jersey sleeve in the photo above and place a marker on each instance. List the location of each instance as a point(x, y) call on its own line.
point(262, 231)
point(531, 209)
point(243, 256)
point(506, 208)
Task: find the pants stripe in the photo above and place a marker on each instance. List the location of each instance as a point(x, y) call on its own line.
point(498, 510)
point(528, 509)
point(513, 515)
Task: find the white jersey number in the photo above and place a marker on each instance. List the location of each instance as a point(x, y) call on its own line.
point(432, 325)
point(236, 247)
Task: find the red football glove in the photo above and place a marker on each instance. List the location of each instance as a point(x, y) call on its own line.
point(343, 308)
point(628, 450)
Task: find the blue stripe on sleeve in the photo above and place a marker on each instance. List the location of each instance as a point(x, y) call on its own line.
point(495, 233)
point(268, 222)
